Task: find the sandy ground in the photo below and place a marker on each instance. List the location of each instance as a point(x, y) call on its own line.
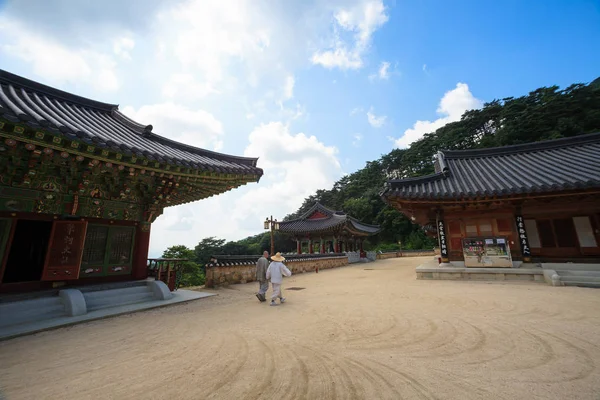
point(369, 331)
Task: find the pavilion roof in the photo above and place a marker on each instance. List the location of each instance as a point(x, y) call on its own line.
point(540, 167)
point(322, 219)
point(104, 126)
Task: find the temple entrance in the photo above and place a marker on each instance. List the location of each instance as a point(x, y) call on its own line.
point(27, 252)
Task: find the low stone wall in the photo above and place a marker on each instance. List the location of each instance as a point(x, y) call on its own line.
point(230, 272)
point(384, 256)
point(405, 253)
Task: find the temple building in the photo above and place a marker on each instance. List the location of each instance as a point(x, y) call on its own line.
point(333, 231)
point(499, 207)
point(81, 184)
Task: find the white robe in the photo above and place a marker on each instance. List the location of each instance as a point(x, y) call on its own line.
point(276, 271)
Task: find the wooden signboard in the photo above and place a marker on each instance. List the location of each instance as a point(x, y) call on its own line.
point(64, 251)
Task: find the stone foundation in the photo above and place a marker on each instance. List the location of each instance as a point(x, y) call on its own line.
point(223, 275)
point(485, 274)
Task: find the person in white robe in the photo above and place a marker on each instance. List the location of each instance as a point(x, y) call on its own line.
point(276, 271)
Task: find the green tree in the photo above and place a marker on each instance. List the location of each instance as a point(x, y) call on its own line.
point(206, 248)
point(192, 274)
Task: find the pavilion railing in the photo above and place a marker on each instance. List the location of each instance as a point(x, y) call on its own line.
point(168, 270)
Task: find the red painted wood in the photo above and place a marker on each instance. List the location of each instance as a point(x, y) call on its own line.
point(317, 215)
point(7, 249)
point(65, 250)
point(298, 247)
point(139, 268)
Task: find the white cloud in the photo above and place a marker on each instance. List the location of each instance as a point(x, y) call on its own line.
point(374, 120)
point(452, 106)
point(357, 139)
point(424, 67)
point(295, 166)
point(186, 87)
point(123, 46)
point(356, 110)
point(383, 73)
point(361, 19)
point(288, 89)
point(54, 62)
point(195, 127)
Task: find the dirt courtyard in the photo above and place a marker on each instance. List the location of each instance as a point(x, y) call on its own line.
point(368, 331)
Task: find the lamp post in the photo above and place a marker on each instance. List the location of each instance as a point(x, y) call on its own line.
point(273, 225)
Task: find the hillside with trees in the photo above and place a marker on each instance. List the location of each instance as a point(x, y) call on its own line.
point(546, 113)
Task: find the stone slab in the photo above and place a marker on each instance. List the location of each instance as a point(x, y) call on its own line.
point(434, 271)
point(180, 296)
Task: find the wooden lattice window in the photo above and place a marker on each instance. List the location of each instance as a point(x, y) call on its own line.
point(107, 250)
point(94, 250)
point(121, 240)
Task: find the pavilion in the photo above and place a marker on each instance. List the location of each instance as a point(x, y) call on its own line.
point(499, 207)
point(80, 185)
point(335, 231)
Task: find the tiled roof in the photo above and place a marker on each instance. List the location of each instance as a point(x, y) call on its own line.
point(549, 166)
point(333, 220)
point(103, 125)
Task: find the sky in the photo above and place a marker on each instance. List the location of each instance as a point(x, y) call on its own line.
point(313, 88)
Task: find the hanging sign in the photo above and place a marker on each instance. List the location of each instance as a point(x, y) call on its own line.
point(525, 249)
point(442, 239)
point(65, 250)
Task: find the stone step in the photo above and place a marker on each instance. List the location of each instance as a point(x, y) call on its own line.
point(100, 294)
point(117, 297)
point(582, 284)
point(578, 273)
point(571, 266)
point(20, 312)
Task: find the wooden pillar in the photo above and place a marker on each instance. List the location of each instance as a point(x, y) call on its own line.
point(360, 243)
point(298, 246)
point(310, 246)
point(322, 250)
point(139, 268)
point(336, 245)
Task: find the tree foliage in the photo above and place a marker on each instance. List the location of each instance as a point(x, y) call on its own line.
point(192, 275)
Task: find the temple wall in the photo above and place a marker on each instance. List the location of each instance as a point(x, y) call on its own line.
point(405, 253)
point(223, 275)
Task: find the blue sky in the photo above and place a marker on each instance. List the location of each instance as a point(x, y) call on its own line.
point(314, 88)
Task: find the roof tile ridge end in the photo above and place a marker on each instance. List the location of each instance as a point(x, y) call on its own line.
point(125, 120)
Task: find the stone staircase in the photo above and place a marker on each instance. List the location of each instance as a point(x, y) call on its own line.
point(572, 274)
point(26, 311)
point(100, 299)
point(19, 311)
point(580, 278)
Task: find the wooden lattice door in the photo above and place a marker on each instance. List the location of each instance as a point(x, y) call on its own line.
point(65, 250)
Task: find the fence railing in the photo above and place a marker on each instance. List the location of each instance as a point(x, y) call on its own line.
point(168, 270)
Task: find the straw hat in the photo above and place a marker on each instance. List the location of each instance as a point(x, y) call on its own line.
point(278, 257)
